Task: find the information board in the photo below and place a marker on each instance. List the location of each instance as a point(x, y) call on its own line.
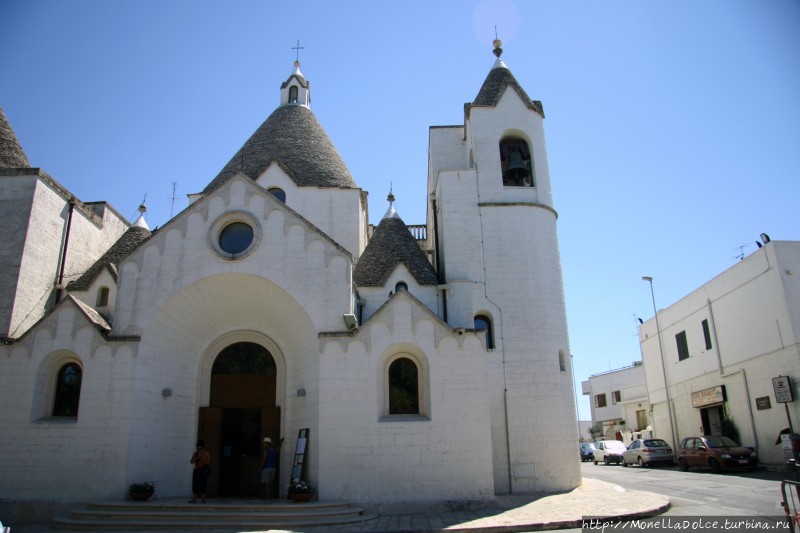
point(783, 389)
point(300, 454)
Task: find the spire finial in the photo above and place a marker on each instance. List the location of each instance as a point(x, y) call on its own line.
point(297, 49)
point(143, 206)
point(391, 212)
point(497, 43)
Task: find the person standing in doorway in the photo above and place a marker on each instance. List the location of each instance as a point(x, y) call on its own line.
point(201, 460)
point(269, 464)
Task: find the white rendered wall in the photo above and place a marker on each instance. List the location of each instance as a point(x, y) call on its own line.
point(43, 227)
point(337, 212)
point(89, 453)
point(751, 312)
point(500, 255)
point(368, 455)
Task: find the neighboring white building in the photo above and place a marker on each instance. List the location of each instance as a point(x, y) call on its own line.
point(618, 398)
point(723, 345)
point(432, 371)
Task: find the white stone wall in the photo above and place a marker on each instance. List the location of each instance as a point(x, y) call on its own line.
point(630, 380)
point(57, 458)
point(500, 255)
point(369, 455)
point(187, 303)
point(16, 197)
point(375, 297)
point(43, 225)
point(751, 309)
point(337, 212)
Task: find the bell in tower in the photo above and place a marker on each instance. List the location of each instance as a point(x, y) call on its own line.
point(516, 164)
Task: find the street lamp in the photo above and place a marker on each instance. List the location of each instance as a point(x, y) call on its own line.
point(663, 364)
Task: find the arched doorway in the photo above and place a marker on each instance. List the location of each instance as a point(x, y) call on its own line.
point(242, 411)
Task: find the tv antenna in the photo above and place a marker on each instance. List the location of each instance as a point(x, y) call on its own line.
point(741, 248)
point(173, 198)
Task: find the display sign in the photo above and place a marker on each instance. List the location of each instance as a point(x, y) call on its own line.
point(706, 397)
point(783, 389)
point(300, 454)
point(763, 403)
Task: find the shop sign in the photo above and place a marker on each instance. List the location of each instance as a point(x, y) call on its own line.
point(763, 403)
point(710, 396)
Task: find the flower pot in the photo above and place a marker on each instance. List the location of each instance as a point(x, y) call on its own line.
point(141, 496)
point(303, 497)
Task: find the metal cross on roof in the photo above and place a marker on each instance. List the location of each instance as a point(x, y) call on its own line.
point(297, 49)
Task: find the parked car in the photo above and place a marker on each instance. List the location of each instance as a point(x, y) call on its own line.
point(716, 453)
point(587, 451)
point(644, 452)
point(609, 451)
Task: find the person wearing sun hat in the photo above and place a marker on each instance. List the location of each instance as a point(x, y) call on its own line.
point(269, 464)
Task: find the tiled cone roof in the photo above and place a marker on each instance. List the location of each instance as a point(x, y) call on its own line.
point(121, 249)
point(495, 85)
point(11, 153)
point(392, 243)
point(294, 138)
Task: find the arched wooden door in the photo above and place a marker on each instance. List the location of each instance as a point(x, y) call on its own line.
point(241, 413)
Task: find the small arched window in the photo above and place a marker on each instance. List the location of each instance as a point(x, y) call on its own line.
point(485, 323)
point(403, 387)
point(293, 94)
point(102, 297)
point(401, 286)
point(515, 161)
point(562, 362)
point(278, 193)
point(68, 390)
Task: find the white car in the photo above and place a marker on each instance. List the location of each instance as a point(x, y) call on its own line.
point(609, 451)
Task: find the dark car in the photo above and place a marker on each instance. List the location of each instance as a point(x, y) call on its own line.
point(587, 451)
point(716, 453)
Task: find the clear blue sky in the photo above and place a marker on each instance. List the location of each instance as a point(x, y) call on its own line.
point(673, 127)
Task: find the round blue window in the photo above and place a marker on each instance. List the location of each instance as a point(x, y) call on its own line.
point(236, 238)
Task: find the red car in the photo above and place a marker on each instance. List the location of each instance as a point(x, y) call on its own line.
point(716, 453)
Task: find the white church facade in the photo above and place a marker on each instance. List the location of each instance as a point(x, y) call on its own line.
point(433, 369)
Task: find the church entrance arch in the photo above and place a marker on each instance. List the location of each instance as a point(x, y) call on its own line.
point(242, 410)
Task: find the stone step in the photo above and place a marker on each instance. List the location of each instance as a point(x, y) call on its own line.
point(240, 515)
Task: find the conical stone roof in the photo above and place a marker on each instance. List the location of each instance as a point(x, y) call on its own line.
point(11, 153)
point(125, 246)
point(391, 244)
point(495, 85)
point(292, 137)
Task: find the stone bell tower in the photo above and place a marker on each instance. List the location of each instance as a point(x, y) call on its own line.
point(493, 228)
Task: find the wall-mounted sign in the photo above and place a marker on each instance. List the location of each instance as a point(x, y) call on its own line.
point(783, 389)
point(706, 397)
point(763, 403)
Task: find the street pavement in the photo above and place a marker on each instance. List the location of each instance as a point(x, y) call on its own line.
point(510, 513)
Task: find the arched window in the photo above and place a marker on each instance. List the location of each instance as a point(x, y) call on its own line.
point(68, 390)
point(403, 387)
point(485, 323)
point(401, 286)
point(562, 363)
point(102, 297)
point(515, 161)
point(244, 358)
point(293, 94)
point(278, 193)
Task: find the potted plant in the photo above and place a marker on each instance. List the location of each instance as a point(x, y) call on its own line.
point(301, 491)
point(142, 490)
